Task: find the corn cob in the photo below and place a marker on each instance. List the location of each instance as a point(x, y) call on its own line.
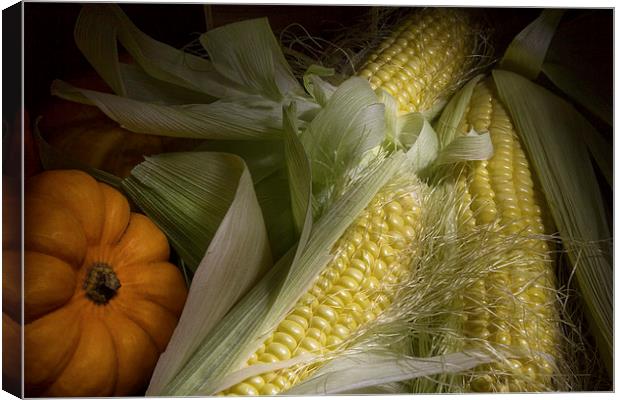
point(431, 50)
point(513, 306)
point(368, 262)
point(424, 59)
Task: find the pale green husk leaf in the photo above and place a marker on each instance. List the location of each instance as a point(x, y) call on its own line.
point(263, 158)
point(453, 146)
point(274, 196)
point(392, 120)
point(266, 163)
point(350, 124)
point(143, 87)
point(237, 256)
point(552, 131)
point(227, 342)
point(299, 173)
point(319, 89)
point(409, 132)
point(473, 146)
point(447, 126)
point(100, 26)
point(368, 369)
point(188, 196)
point(255, 61)
point(425, 148)
point(247, 118)
point(526, 53)
point(172, 93)
point(239, 333)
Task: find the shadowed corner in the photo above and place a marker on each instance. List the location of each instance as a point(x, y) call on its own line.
point(12, 145)
point(11, 258)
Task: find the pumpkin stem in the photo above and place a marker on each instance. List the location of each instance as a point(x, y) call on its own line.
point(101, 283)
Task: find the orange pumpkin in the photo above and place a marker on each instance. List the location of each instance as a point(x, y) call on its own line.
point(101, 300)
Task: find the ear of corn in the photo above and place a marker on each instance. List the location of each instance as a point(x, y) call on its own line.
point(513, 306)
point(368, 262)
point(422, 61)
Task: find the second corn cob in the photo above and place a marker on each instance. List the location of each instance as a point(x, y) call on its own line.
point(424, 59)
point(513, 306)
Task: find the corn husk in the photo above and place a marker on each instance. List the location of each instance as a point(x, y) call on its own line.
point(453, 147)
point(368, 369)
point(552, 132)
point(319, 89)
point(526, 53)
point(238, 253)
point(350, 124)
point(575, 87)
point(238, 93)
point(244, 118)
point(99, 29)
point(299, 174)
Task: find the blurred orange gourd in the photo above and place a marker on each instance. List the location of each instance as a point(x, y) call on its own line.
point(85, 134)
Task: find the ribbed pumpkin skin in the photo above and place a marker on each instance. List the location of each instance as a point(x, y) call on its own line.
point(515, 305)
point(73, 345)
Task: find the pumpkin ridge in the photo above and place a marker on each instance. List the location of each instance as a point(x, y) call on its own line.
point(116, 338)
point(81, 196)
point(122, 310)
point(117, 214)
point(40, 241)
point(148, 297)
point(33, 311)
point(125, 274)
point(83, 316)
point(66, 360)
point(117, 369)
point(142, 242)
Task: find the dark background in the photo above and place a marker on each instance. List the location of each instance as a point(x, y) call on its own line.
point(50, 51)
